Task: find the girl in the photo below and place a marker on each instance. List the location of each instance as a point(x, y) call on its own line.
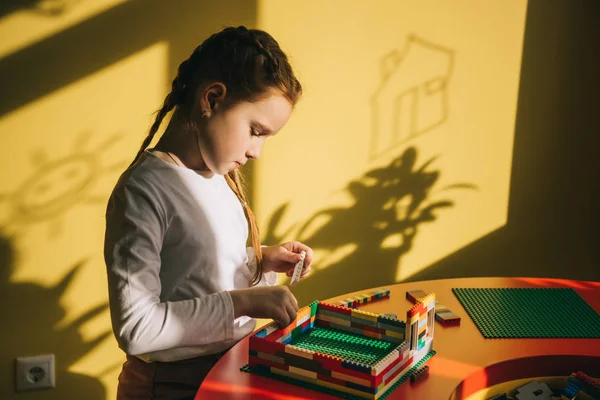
point(183, 287)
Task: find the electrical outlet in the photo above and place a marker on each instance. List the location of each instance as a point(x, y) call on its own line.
point(34, 373)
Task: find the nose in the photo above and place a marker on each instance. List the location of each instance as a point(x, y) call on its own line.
point(254, 151)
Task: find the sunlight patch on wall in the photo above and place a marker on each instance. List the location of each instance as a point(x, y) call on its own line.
point(404, 135)
point(23, 23)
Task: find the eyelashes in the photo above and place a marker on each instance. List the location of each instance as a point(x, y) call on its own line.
point(254, 132)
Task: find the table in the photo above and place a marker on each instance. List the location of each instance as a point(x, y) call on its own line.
point(465, 361)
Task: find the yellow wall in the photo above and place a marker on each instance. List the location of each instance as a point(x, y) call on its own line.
point(82, 85)
point(552, 224)
point(431, 86)
point(64, 159)
point(79, 89)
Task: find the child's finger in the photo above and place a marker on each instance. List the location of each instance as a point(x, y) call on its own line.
point(305, 272)
point(291, 257)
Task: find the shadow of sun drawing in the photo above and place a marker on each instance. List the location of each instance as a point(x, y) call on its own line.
point(58, 184)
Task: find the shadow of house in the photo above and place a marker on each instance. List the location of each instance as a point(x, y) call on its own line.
point(412, 98)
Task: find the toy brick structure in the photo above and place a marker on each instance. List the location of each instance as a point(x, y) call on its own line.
point(443, 314)
point(339, 349)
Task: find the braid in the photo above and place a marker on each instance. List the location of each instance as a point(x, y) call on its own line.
point(251, 38)
point(264, 50)
point(177, 96)
point(186, 74)
point(279, 72)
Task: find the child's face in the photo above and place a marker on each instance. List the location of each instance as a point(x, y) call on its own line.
point(233, 136)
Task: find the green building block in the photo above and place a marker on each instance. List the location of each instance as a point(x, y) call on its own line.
point(349, 346)
point(529, 312)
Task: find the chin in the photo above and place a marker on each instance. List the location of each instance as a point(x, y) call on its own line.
point(231, 169)
point(218, 169)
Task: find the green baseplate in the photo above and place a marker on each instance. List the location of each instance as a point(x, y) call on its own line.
point(350, 347)
point(529, 312)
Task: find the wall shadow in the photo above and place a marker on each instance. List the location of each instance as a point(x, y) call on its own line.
point(68, 56)
point(366, 241)
point(389, 205)
point(47, 8)
point(413, 95)
point(56, 185)
point(106, 38)
point(553, 218)
point(35, 329)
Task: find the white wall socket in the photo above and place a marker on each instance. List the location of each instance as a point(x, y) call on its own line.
point(34, 373)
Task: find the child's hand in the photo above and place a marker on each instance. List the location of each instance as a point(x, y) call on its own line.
point(283, 258)
point(274, 302)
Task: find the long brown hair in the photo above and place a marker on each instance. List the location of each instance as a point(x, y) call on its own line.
point(249, 62)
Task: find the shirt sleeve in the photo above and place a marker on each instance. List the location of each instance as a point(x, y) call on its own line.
point(135, 227)
point(268, 278)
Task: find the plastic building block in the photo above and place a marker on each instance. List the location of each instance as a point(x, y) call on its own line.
point(354, 302)
point(298, 269)
point(570, 392)
point(534, 390)
point(347, 351)
point(529, 312)
point(586, 383)
point(421, 373)
point(415, 295)
point(443, 314)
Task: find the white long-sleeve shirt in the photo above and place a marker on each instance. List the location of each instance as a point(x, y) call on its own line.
point(175, 244)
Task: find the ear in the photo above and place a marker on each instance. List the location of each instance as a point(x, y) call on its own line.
point(213, 95)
